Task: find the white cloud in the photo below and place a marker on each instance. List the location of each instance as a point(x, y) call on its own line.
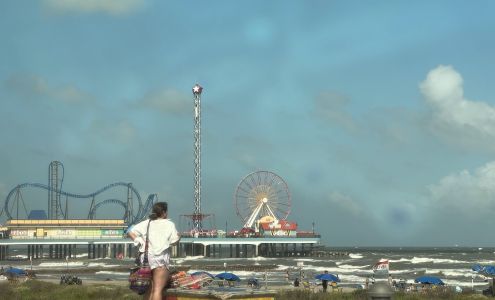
point(455, 117)
point(112, 7)
point(168, 101)
point(471, 194)
point(32, 86)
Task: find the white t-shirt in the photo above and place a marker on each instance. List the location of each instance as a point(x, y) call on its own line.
point(162, 233)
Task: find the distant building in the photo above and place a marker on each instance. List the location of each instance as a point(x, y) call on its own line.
point(37, 215)
point(65, 229)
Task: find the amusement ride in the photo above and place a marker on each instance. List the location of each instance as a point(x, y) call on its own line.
point(261, 196)
point(134, 209)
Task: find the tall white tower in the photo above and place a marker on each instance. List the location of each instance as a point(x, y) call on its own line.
point(197, 216)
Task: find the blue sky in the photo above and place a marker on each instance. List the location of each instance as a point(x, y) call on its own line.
point(379, 115)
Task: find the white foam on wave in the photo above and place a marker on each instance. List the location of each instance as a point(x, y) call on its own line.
point(451, 272)
point(113, 273)
point(403, 271)
point(193, 257)
point(352, 279)
point(342, 261)
point(338, 270)
point(104, 265)
point(187, 258)
point(261, 258)
point(420, 260)
point(486, 262)
point(62, 264)
point(402, 259)
point(351, 267)
point(255, 259)
point(284, 268)
point(306, 259)
point(355, 255)
point(457, 273)
point(463, 283)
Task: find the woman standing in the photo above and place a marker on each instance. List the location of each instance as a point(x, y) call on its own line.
point(162, 234)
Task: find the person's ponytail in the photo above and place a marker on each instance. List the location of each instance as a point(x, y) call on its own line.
point(159, 209)
point(153, 216)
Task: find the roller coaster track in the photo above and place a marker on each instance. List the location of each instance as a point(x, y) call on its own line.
point(132, 218)
point(152, 199)
point(92, 212)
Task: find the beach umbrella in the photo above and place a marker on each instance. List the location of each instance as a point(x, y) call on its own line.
point(202, 273)
point(15, 271)
point(477, 268)
point(485, 270)
point(489, 270)
point(228, 276)
point(429, 280)
point(328, 277)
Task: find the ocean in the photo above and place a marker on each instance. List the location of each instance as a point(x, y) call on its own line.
point(452, 265)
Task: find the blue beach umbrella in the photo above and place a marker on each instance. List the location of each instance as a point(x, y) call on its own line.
point(328, 277)
point(15, 271)
point(429, 280)
point(477, 268)
point(228, 276)
point(485, 270)
point(489, 270)
point(202, 273)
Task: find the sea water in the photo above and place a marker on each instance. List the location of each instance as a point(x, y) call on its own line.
point(452, 265)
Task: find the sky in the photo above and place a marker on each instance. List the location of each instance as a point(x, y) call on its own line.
point(379, 115)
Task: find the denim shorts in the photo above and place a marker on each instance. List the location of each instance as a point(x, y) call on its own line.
point(160, 260)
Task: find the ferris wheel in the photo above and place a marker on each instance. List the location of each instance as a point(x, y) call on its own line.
point(260, 194)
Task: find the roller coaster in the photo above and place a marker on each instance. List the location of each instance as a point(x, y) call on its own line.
point(14, 201)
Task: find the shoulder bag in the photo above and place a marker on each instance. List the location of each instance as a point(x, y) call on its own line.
point(141, 276)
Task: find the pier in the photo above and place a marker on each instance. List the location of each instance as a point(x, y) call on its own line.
point(35, 249)
point(123, 247)
point(247, 247)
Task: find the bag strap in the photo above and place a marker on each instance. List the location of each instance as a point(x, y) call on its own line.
point(145, 259)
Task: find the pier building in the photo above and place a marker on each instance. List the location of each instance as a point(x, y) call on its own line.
point(65, 229)
point(64, 239)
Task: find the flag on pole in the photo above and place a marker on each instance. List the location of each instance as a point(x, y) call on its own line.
point(382, 266)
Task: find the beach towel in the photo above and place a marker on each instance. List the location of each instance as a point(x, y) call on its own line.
point(184, 280)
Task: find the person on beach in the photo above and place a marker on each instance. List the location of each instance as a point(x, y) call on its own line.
point(296, 282)
point(324, 283)
point(162, 235)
